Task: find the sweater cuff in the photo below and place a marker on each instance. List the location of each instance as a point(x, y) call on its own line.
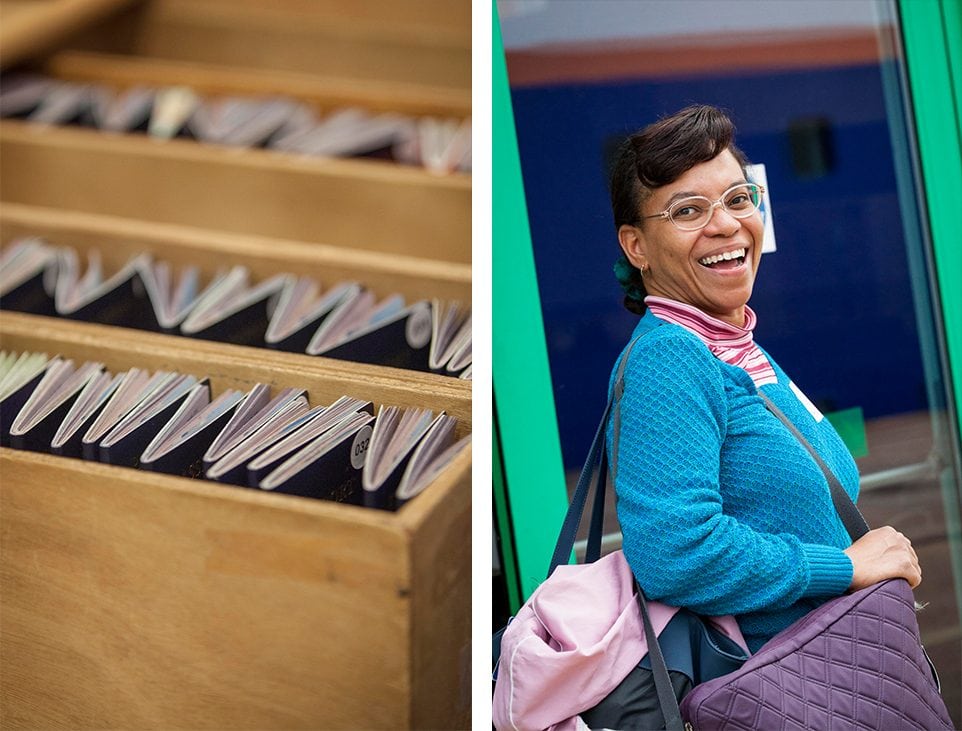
point(830, 570)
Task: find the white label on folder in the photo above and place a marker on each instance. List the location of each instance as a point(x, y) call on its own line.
point(418, 330)
point(812, 409)
point(362, 441)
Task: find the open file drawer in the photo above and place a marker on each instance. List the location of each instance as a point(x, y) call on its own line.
point(139, 600)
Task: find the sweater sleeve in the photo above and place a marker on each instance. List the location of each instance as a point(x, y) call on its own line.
point(684, 550)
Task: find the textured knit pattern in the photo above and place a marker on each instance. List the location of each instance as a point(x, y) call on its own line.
point(727, 342)
point(722, 510)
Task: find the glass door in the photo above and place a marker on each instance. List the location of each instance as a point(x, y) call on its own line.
point(857, 300)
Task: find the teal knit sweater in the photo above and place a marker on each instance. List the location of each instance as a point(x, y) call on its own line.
point(722, 510)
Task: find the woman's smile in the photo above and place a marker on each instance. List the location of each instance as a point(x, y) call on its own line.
point(728, 260)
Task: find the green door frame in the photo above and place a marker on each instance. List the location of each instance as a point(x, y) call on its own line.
point(932, 35)
point(932, 38)
point(534, 493)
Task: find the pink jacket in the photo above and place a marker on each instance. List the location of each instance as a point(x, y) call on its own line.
point(575, 639)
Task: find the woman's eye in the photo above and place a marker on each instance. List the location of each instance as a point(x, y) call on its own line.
point(687, 212)
point(738, 201)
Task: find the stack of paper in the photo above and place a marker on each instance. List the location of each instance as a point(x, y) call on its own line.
point(169, 422)
point(286, 312)
point(440, 145)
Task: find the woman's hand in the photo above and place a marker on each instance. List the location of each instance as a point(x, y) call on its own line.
point(882, 554)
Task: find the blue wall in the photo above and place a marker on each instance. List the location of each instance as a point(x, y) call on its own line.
point(834, 302)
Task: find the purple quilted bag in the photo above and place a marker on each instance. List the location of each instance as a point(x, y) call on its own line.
point(856, 662)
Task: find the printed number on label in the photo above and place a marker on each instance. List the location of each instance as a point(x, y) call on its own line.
point(362, 440)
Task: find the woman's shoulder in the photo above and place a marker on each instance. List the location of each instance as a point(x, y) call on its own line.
point(663, 350)
point(656, 341)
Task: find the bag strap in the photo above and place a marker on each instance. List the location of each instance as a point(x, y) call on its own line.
point(667, 701)
point(597, 457)
point(569, 528)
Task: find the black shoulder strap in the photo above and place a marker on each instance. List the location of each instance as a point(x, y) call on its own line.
point(597, 457)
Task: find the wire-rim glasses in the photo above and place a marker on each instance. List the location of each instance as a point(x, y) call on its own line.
point(694, 213)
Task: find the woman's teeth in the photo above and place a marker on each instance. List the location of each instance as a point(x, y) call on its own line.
point(726, 256)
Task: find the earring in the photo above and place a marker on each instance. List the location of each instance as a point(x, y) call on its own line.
point(643, 268)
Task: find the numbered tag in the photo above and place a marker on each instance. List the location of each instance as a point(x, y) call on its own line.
point(362, 440)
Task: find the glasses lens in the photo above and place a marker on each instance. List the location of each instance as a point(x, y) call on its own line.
point(742, 200)
point(689, 214)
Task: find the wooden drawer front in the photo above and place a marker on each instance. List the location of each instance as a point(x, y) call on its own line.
point(131, 603)
point(325, 92)
point(381, 41)
point(235, 366)
point(353, 204)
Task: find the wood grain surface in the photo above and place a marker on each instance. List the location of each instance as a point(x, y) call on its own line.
point(30, 27)
point(367, 205)
point(382, 40)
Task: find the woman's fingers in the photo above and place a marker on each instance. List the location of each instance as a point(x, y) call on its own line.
point(881, 554)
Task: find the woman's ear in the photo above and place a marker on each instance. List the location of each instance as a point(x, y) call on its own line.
point(632, 242)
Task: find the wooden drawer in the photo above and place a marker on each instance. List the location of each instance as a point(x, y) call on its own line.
point(332, 201)
point(133, 599)
point(425, 43)
point(118, 239)
point(323, 92)
point(140, 600)
point(358, 204)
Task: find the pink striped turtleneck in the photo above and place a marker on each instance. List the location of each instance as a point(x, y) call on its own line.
point(729, 343)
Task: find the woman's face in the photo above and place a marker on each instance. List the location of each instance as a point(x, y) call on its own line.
point(675, 260)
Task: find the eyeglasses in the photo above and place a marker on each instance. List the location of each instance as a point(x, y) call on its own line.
point(694, 213)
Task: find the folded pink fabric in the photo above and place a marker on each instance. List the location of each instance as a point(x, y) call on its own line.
point(575, 639)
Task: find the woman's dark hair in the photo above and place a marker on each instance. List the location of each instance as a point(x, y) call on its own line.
point(658, 155)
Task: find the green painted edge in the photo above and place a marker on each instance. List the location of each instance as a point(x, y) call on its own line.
point(502, 514)
point(931, 72)
point(931, 68)
point(530, 446)
point(952, 15)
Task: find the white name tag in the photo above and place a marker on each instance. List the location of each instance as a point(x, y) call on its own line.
point(816, 414)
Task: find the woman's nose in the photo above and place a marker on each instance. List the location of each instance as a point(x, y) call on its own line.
point(721, 222)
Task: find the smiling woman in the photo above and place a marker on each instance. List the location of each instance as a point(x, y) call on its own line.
point(670, 225)
point(705, 526)
point(696, 251)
